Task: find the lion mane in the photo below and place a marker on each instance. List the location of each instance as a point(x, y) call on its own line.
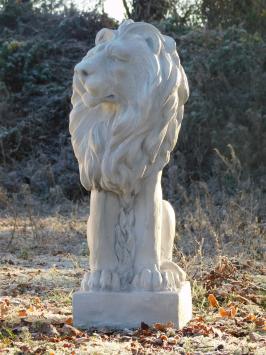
point(119, 145)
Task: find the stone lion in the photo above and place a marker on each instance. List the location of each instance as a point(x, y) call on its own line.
point(128, 100)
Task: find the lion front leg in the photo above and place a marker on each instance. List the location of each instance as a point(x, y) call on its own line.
point(148, 217)
point(104, 210)
point(173, 274)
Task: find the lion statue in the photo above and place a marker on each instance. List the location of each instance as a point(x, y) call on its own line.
point(128, 100)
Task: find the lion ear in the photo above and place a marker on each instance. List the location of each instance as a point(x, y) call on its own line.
point(104, 35)
point(154, 43)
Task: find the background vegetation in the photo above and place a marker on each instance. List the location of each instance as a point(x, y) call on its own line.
point(222, 145)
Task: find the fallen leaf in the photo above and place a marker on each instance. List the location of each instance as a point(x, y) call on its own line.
point(37, 299)
point(69, 321)
point(213, 301)
point(230, 313)
point(250, 318)
point(223, 312)
point(159, 326)
point(233, 311)
point(22, 313)
point(198, 319)
point(69, 330)
point(24, 348)
point(172, 341)
point(67, 345)
point(163, 326)
point(260, 322)
point(197, 328)
point(3, 309)
point(164, 337)
point(7, 302)
point(31, 308)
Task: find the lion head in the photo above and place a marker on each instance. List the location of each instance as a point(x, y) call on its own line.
point(128, 98)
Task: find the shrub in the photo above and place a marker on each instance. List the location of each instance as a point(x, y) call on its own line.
point(226, 72)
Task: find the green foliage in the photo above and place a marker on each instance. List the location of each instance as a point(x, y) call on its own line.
point(11, 11)
point(226, 108)
point(23, 64)
point(178, 14)
point(146, 10)
point(227, 102)
point(251, 14)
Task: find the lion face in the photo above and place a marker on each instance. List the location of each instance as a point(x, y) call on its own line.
point(115, 71)
point(128, 97)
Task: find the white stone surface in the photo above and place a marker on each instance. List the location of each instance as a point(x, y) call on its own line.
point(129, 309)
point(128, 100)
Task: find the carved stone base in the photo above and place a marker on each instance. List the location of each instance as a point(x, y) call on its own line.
point(129, 309)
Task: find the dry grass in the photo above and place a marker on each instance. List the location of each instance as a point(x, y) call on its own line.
point(44, 255)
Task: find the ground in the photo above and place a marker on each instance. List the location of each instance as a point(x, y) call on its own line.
point(43, 255)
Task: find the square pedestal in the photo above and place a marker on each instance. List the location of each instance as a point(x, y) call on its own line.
point(128, 309)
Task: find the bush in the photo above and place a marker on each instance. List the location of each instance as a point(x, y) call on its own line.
point(251, 14)
point(226, 72)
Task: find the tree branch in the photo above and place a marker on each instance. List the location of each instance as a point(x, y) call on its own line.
point(126, 8)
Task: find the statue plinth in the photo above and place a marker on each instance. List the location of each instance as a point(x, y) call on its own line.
point(121, 310)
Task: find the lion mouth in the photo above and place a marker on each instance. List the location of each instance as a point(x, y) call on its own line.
point(92, 101)
point(109, 98)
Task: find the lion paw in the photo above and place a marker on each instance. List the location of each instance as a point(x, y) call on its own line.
point(148, 280)
point(154, 280)
point(104, 280)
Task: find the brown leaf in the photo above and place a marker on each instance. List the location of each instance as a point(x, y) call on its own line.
point(233, 311)
point(36, 300)
point(69, 330)
point(230, 313)
point(172, 341)
point(31, 308)
point(22, 313)
point(159, 326)
point(24, 348)
point(3, 309)
point(69, 321)
point(260, 322)
point(67, 345)
point(7, 302)
point(164, 337)
point(213, 301)
point(223, 312)
point(250, 318)
point(199, 319)
point(163, 326)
